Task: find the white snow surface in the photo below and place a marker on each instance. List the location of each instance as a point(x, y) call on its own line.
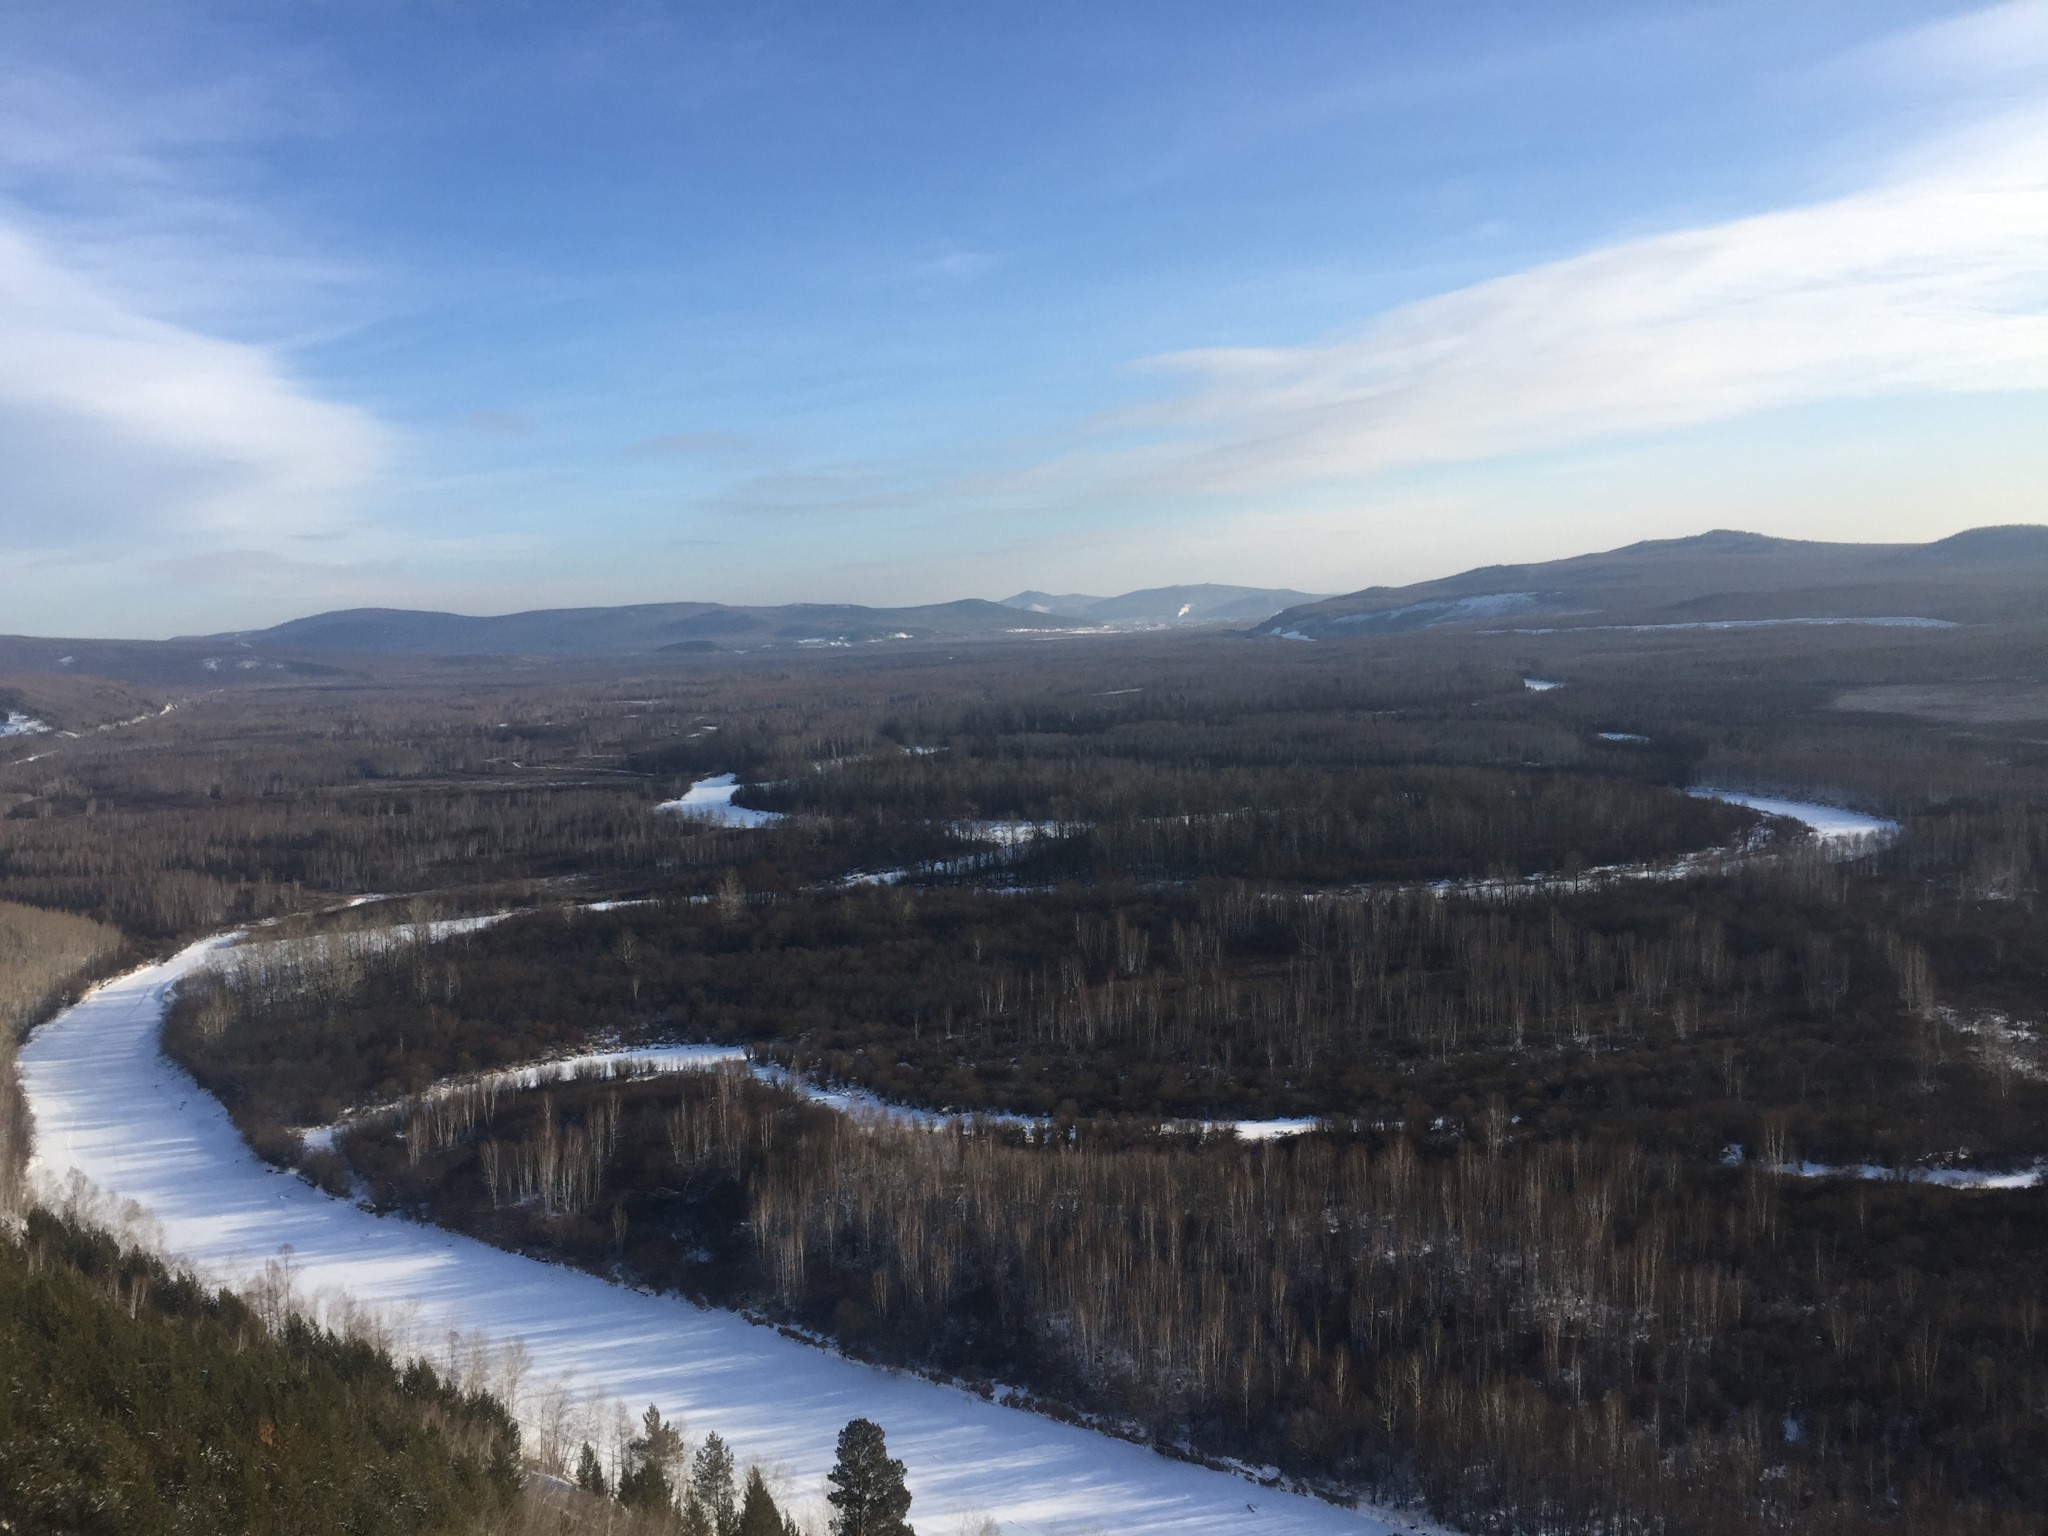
point(1540, 684)
point(1009, 832)
point(18, 724)
point(1625, 736)
point(1829, 823)
point(711, 800)
point(111, 1109)
point(1948, 1178)
point(1263, 1130)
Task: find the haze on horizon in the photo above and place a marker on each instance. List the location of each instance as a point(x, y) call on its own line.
point(378, 304)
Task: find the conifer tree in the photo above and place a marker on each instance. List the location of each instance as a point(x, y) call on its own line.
point(647, 1484)
point(758, 1514)
point(590, 1473)
point(868, 1488)
point(711, 1486)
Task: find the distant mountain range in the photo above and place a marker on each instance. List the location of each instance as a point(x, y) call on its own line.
point(652, 628)
point(1206, 603)
point(639, 629)
point(1714, 579)
point(1719, 579)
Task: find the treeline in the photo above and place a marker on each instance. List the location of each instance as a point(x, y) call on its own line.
point(1120, 818)
point(44, 957)
point(1532, 1336)
point(1797, 997)
point(134, 1398)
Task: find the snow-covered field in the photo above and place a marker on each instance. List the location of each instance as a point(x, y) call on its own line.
point(1829, 823)
point(111, 1109)
point(18, 724)
point(711, 800)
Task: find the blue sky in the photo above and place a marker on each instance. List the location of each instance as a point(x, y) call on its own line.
point(486, 307)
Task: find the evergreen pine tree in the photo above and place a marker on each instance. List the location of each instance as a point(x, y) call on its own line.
point(590, 1473)
point(867, 1485)
point(711, 1485)
point(758, 1514)
point(646, 1483)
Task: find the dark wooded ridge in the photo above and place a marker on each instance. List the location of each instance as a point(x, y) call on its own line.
point(138, 1400)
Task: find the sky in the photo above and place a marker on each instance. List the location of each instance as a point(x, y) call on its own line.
point(482, 308)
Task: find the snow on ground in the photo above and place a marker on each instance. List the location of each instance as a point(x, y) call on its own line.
point(111, 1109)
point(1263, 1130)
point(1540, 684)
point(628, 1061)
point(656, 1060)
point(711, 800)
point(1627, 736)
point(18, 724)
point(1829, 823)
point(1948, 1178)
point(1009, 833)
point(1441, 610)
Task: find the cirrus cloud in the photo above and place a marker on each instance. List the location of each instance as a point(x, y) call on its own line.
point(155, 425)
point(1937, 282)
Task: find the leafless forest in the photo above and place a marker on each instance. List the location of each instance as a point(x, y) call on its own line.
point(1543, 1265)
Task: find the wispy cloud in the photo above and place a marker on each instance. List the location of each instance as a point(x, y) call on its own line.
point(1936, 282)
point(145, 394)
point(217, 435)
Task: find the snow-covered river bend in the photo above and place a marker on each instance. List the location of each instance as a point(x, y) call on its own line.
point(111, 1108)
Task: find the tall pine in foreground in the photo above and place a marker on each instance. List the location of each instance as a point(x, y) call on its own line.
point(713, 1503)
point(868, 1488)
point(758, 1514)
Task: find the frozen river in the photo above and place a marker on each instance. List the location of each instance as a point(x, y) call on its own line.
point(1828, 823)
point(111, 1108)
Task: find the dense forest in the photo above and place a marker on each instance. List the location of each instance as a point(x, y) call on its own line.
point(1583, 1332)
point(1789, 999)
point(135, 1398)
point(1572, 1040)
point(44, 957)
point(138, 1400)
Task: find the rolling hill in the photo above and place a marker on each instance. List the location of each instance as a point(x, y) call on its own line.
point(1203, 603)
point(1718, 578)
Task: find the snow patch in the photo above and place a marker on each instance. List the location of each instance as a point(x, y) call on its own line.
point(1947, 1178)
point(18, 724)
point(1828, 823)
point(1008, 832)
point(710, 801)
point(1540, 684)
point(1441, 610)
